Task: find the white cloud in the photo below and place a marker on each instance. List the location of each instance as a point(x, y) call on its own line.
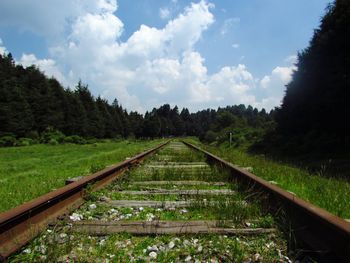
point(3, 49)
point(274, 84)
point(292, 59)
point(164, 13)
point(228, 24)
point(50, 19)
point(48, 66)
point(154, 65)
point(236, 45)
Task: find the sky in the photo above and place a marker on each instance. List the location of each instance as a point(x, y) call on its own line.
point(196, 54)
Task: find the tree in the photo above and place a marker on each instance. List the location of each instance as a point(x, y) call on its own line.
point(315, 105)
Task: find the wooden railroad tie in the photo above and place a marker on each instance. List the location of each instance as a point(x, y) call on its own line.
point(180, 192)
point(164, 227)
point(178, 183)
point(163, 204)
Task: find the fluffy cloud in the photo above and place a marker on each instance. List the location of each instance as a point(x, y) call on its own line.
point(153, 66)
point(48, 66)
point(273, 84)
point(2, 48)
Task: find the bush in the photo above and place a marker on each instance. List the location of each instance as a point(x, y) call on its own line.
point(7, 141)
point(52, 134)
point(210, 136)
point(25, 142)
point(53, 142)
point(75, 139)
point(32, 135)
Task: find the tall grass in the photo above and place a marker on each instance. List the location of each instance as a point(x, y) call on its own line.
point(28, 172)
point(332, 194)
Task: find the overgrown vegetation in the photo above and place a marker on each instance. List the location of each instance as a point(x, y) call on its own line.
point(64, 242)
point(329, 193)
point(28, 172)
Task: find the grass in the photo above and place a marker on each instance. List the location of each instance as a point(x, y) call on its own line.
point(178, 174)
point(28, 172)
point(127, 248)
point(332, 194)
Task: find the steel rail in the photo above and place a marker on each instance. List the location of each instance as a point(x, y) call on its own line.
point(21, 224)
point(322, 233)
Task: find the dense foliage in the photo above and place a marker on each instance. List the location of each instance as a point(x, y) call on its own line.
point(37, 108)
point(315, 110)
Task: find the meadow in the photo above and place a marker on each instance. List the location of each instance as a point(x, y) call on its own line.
point(332, 194)
point(30, 171)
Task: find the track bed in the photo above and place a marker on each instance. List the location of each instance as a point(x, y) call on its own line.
point(173, 207)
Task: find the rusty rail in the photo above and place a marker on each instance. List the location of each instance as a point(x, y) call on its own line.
point(24, 222)
point(323, 234)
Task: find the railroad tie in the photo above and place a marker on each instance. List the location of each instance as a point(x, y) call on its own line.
point(164, 227)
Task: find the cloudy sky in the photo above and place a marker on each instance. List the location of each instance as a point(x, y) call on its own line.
point(205, 53)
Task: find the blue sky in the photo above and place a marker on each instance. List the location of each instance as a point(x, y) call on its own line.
point(195, 54)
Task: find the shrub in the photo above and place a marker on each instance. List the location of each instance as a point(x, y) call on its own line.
point(75, 139)
point(25, 142)
point(32, 135)
point(52, 134)
point(53, 142)
point(210, 136)
point(7, 141)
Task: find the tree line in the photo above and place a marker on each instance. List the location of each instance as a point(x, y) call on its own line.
point(32, 104)
point(314, 115)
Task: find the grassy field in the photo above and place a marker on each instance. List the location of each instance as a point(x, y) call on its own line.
point(332, 194)
point(28, 172)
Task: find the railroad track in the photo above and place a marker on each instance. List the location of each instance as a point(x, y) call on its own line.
point(173, 207)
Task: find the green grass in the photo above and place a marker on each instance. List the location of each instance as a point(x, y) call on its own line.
point(128, 248)
point(28, 172)
point(332, 194)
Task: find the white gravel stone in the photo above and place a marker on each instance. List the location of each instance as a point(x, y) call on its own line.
point(256, 257)
point(188, 259)
point(200, 248)
point(152, 254)
point(27, 251)
point(141, 208)
point(152, 248)
point(63, 235)
point(150, 217)
point(187, 243)
point(171, 245)
point(92, 206)
point(76, 217)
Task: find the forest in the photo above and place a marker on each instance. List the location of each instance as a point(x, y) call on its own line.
point(36, 108)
